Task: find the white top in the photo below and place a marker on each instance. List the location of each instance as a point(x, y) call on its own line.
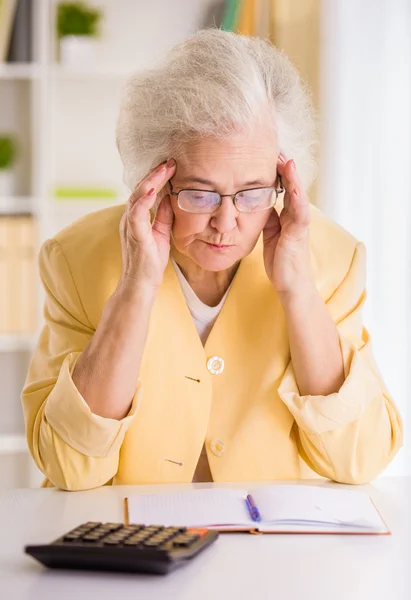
point(204, 316)
point(238, 566)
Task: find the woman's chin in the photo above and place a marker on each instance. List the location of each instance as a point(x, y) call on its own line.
point(217, 260)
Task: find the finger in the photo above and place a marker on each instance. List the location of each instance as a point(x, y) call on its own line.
point(299, 208)
point(296, 206)
point(289, 175)
point(164, 218)
point(144, 197)
point(156, 179)
point(159, 177)
point(272, 227)
point(296, 220)
point(291, 181)
point(139, 215)
point(283, 181)
point(142, 205)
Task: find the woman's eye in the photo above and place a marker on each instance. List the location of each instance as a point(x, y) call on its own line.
point(251, 198)
point(204, 198)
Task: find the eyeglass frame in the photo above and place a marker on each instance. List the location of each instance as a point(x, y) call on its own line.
point(232, 196)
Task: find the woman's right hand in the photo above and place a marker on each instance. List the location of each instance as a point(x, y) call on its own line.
point(145, 246)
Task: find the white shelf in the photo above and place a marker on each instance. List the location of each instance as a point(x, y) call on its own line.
point(91, 72)
point(10, 342)
point(17, 204)
point(13, 444)
point(19, 71)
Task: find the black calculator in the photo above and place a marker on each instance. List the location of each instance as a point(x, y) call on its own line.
point(128, 548)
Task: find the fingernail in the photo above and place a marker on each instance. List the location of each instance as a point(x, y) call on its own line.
point(281, 157)
point(151, 192)
point(292, 164)
point(296, 193)
point(170, 163)
point(161, 167)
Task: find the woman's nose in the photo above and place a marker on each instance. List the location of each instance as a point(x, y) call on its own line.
point(225, 218)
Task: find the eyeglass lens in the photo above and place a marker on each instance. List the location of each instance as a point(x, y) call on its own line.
point(246, 201)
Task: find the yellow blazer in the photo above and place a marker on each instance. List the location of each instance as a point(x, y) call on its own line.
point(253, 421)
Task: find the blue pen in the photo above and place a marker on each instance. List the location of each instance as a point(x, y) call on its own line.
point(252, 508)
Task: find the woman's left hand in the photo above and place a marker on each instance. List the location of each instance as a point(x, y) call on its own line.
point(286, 237)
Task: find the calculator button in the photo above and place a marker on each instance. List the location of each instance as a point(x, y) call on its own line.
point(150, 543)
point(131, 542)
point(185, 541)
point(71, 537)
point(130, 530)
point(152, 531)
point(141, 534)
point(137, 540)
point(90, 525)
point(110, 530)
point(157, 540)
point(111, 542)
point(112, 538)
point(173, 530)
point(115, 538)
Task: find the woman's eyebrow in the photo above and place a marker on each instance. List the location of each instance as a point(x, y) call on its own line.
point(202, 181)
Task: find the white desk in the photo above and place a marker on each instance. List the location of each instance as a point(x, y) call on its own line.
point(239, 565)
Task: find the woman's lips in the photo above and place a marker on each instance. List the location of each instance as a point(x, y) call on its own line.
point(218, 247)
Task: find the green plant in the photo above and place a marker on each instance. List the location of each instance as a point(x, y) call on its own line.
point(76, 18)
point(7, 151)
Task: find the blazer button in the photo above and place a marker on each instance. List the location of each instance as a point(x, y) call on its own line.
point(215, 365)
point(217, 447)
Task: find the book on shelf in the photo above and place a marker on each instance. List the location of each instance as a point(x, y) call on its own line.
point(17, 274)
point(20, 47)
point(7, 13)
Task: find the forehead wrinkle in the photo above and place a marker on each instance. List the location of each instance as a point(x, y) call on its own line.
point(235, 165)
point(196, 173)
point(249, 154)
point(258, 182)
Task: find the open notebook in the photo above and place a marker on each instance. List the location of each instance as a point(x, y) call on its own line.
point(282, 508)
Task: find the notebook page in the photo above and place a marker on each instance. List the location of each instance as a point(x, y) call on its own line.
point(192, 508)
point(315, 528)
point(316, 505)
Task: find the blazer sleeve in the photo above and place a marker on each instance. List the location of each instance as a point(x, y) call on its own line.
point(349, 436)
point(74, 448)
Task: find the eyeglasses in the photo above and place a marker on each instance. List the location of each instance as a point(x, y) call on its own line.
point(247, 201)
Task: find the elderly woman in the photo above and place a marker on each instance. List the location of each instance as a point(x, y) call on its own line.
point(211, 329)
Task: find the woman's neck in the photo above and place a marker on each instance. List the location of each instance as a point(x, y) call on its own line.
point(209, 286)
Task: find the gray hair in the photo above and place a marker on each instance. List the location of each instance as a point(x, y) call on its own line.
point(216, 83)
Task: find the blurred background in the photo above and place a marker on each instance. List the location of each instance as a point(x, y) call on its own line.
point(62, 66)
